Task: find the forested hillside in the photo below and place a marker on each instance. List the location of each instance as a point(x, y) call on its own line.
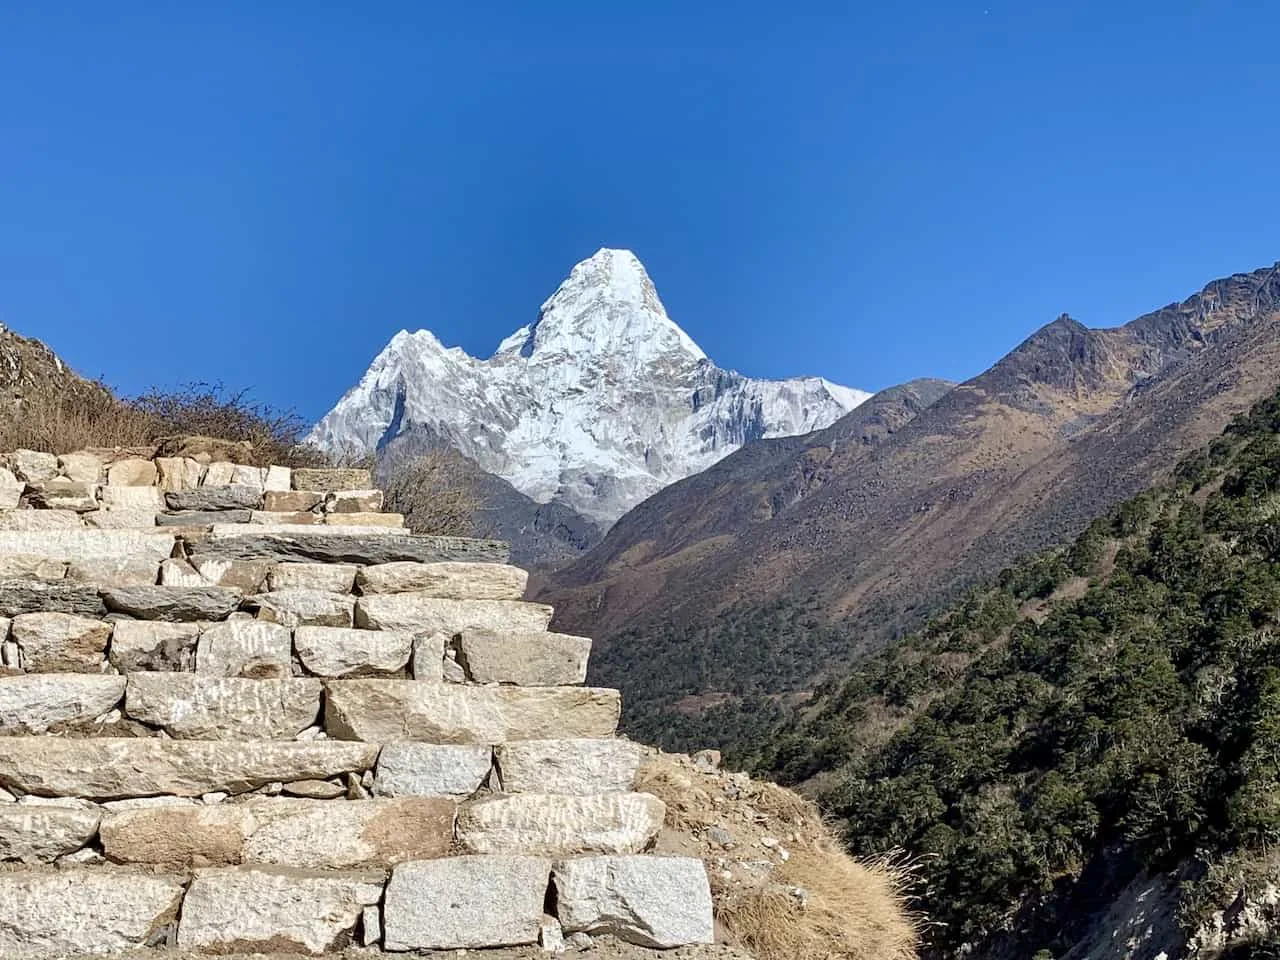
point(1106, 710)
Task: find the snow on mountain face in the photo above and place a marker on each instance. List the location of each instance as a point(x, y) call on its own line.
point(598, 404)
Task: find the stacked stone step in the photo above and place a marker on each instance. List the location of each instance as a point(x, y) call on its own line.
point(295, 736)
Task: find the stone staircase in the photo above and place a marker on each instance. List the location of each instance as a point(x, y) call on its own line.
point(244, 710)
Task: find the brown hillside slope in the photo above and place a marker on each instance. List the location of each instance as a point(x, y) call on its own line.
point(1070, 422)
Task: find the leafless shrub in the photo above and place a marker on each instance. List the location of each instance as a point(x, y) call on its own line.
point(434, 494)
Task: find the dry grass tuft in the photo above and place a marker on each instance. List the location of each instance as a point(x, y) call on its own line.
point(81, 414)
point(813, 903)
point(845, 910)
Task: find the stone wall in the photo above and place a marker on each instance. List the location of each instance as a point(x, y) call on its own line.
point(243, 709)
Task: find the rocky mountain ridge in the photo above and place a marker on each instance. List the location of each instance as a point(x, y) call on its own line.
point(596, 405)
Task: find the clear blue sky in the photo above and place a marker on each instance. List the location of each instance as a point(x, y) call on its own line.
point(263, 194)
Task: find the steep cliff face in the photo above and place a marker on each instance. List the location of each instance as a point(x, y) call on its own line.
point(596, 405)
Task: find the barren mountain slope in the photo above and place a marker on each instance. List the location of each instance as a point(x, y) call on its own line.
point(1069, 423)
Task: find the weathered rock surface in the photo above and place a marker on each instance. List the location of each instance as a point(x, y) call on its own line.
point(40, 521)
point(33, 465)
point(245, 648)
point(339, 652)
point(329, 577)
point(278, 478)
point(26, 567)
point(82, 466)
point(366, 520)
point(327, 479)
point(36, 702)
point(577, 767)
point(115, 571)
point(456, 581)
point(428, 659)
point(353, 501)
point(308, 834)
point(49, 596)
point(431, 770)
point(241, 909)
point(141, 645)
point(421, 613)
point(525, 657)
point(60, 642)
point(659, 902)
point(133, 472)
point(328, 546)
point(349, 834)
point(465, 902)
point(82, 911)
point(144, 499)
point(173, 603)
point(559, 826)
point(11, 490)
point(215, 499)
point(247, 576)
point(113, 769)
point(202, 518)
point(218, 474)
point(304, 608)
point(291, 501)
point(177, 835)
point(178, 473)
point(192, 706)
point(63, 494)
point(386, 711)
point(304, 518)
point(33, 833)
point(81, 544)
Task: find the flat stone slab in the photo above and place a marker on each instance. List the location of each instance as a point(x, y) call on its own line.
point(243, 910)
point(115, 769)
point(657, 902)
point(138, 645)
point(432, 770)
point(339, 652)
point(190, 706)
point(578, 767)
point(253, 649)
point(329, 577)
point(465, 903)
point(35, 702)
point(26, 567)
point(304, 608)
point(40, 521)
point(448, 580)
point(40, 833)
point(291, 501)
point(386, 711)
point(80, 544)
point(282, 831)
point(530, 658)
point(201, 518)
point(115, 571)
point(327, 546)
point(49, 596)
point(238, 496)
point(329, 479)
point(421, 613)
point(172, 603)
point(83, 911)
point(247, 576)
point(60, 642)
point(550, 825)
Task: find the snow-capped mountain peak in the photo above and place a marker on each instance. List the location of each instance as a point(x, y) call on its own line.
point(607, 306)
point(597, 404)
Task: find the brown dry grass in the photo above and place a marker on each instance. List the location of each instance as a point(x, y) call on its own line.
point(850, 911)
point(816, 903)
point(81, 414)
